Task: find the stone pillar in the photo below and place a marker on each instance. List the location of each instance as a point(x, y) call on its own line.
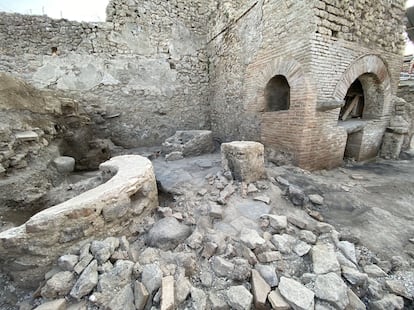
point(244, 159)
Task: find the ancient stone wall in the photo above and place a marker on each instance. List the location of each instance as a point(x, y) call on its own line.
point(140, 76)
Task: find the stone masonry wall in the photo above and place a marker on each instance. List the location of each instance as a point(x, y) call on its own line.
point(321, 40)
point(141, 76)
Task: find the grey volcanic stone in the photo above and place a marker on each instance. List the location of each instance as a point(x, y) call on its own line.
point(268, 273)
point(189, 143)
point(86, 282)
point(151, 277)
point(141, 295)
point(297, 196)
point(64, 164)
point(389, 301)
point(59, 304)
point(239, 298)
point(297, 295)
point(123, 300)
point(68, 262)
point(324, 259)
point(167, 233)
point(331, 288)
point(58, 285)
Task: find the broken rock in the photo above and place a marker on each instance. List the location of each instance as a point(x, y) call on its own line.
point(239, 298)
point(260, 290)
point(331, 288)
point(167, 233)
point(296, 294)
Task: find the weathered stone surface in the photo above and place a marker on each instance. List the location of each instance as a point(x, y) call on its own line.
point(123, 299)
point(217, 302)
point(301, 248)
point(374, 271)
point(189, 143)
point(86, 282)
point(268, 257)
point(307, 236)
point(277, 301)
point(59, 285)
point(331, 288)
point(277, 222)
point(59, 227)
point(297, 196)
point(199, 298)
point(222, 267)
point(245, 160)
point(59, 304)
point(260, 290)
point(354, 301)
point(151, 277)
point(167, 233)
point(283, 243)
point(389, 301)
point(251, 238)
point(239, 298)
point(348, 249)
point(68, 262)
point(102, 250)
point(324, 259)
point(354, 277)
point(167, 293)
point(182, 289)
point(64, 164)
point(140, 295)
point(297, 295)
point(397, 287)
point(316, 199)
point(268, 273)
point(83, 262)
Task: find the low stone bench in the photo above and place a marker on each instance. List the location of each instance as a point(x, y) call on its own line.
point(114, 208)
point(244, 159)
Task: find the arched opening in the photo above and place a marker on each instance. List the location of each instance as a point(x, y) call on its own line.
point(277, 94)
point(364, 101)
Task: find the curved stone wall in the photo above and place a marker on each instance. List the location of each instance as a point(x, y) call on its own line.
point(115, 208)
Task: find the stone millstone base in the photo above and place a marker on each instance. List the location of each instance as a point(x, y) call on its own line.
point(112, 209)
point(244, 159)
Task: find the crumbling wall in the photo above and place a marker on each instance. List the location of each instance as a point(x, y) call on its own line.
point(141, 75)
point(112, 209)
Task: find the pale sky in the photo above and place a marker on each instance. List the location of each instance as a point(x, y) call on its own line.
point(80, 10)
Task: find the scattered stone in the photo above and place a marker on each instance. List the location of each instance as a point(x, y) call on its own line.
point(167, 293)
point(216, 211)
point(277, 222)
point(283, 243)
point(58, 285)
point(316, 199)
point(59, 304)
point(167, 233)
point(239, 298)
point(307, 236)
point(262, 198)
point(260, 290)
point(123, 299)
point(348, 249)
point(277, 301)
point(242, 269)
point(245, 160)
point(357, 177)
point(68, 262)
point(268, 273)
point(302, 248)
point(282, 181)
point(217, 303)
point(251, 188)
point(300, 223)
point(397, 287)
point(189, 142)
point(140, 295)
point(324, 228)
point(182, 289)
point(176, 155)
point(331, 288)
point(354, 302)
point(199, 299)
point(389, 301)
point(102, 250)
point(151, 277)
point(64, 164)
point(202, 192)
point(222, 267)
point(251, 238)
point(316, 215)
point(297, 196)
point(343, 261)
point(86, 282)
point(225, 194)
point(354, 277)
point(374, 271)
point(83, 262)
point(296, 294)
point(324, 259)
point(209, 249)
point(268, 257)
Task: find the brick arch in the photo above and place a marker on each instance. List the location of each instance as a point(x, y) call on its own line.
point(371, 64)
point(259, 75)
